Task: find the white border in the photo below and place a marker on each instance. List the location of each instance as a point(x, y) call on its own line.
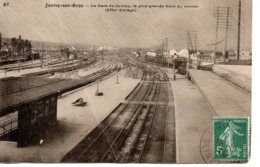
point(255, 122)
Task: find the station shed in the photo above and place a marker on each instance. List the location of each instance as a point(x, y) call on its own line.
point(28, 107)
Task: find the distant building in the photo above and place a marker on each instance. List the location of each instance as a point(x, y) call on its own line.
point(173, 52)
point(105, 48)
point(151, 54)
point(245, 55)
point(231, 54)
point(5, 47)
point(15, 47)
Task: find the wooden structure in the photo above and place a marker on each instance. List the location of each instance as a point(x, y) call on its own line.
point(34, 99)
point(35, 109)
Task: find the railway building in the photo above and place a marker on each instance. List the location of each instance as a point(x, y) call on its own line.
point(28, 107)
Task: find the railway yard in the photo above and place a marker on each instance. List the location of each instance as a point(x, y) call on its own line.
point(132, 112)
point(138, 82)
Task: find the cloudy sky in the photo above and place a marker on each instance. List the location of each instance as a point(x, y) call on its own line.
point(143, 28)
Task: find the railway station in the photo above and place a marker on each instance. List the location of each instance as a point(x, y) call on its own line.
point(37, 113)
point(102, 87)
point(143, 107)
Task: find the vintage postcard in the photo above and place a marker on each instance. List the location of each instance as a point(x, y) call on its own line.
point(125, 81)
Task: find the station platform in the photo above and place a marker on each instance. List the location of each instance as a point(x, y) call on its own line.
point(224, 97)
point(74, 123)
point(196, 103)
point(240, 75)
point(193, 117)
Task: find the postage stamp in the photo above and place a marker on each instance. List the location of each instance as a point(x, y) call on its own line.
point(230, 139)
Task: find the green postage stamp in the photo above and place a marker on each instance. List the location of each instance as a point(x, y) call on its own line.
point(230, 138)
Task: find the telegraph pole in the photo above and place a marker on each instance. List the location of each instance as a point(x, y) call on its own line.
point(189, 46)
point(97, 86)
point(222, 16)
point(227, 23)
point(162, 50)
point(192, 44)
point(62, 58)
point(68, 54)
point(41, 56)
point(18, 65)
point(238, 33)
point(217, 27)
point(102, 55)
point(94, 50)
point(173, 68)
point(0, 41)
point(94, 54)
point(117, 77)
point(166, 51)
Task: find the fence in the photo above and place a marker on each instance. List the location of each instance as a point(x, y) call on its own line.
point(8, 125)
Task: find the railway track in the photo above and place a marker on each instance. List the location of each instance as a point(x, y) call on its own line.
point(88, 78)
point(137, 149)
point(77, 154)
point(54, 66)
point(93, 77)
point(28, 65)
point(59, 68)
point(127, 133)
point(10, 124)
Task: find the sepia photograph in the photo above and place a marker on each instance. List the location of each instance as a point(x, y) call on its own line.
point(125, 81)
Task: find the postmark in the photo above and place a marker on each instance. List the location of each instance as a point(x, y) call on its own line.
point(230, 138)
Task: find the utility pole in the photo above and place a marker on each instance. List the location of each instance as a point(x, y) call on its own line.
point(162, 52)
point(67, 54)
point(102, 52)
point(173, 68)
point(227, 23)
point(192, 44)
point(238, 33)
point(18, 65)
point(41, 56)
point(94, 53)
point(216, 14)
point(97, 86)
point(86, 63)
point(62, 58)
point(117, 77)
point(190, 47)
point(0, 41)
point(223, 20)
point(166, 51)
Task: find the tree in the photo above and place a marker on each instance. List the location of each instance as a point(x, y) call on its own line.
point(20, 46)
point(14, 42)
point(27, 45)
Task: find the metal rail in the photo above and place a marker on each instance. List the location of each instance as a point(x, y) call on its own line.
point(147, 130)
point(114, 114)
point(139, 108)
point(144, 127)
point(102, 132)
